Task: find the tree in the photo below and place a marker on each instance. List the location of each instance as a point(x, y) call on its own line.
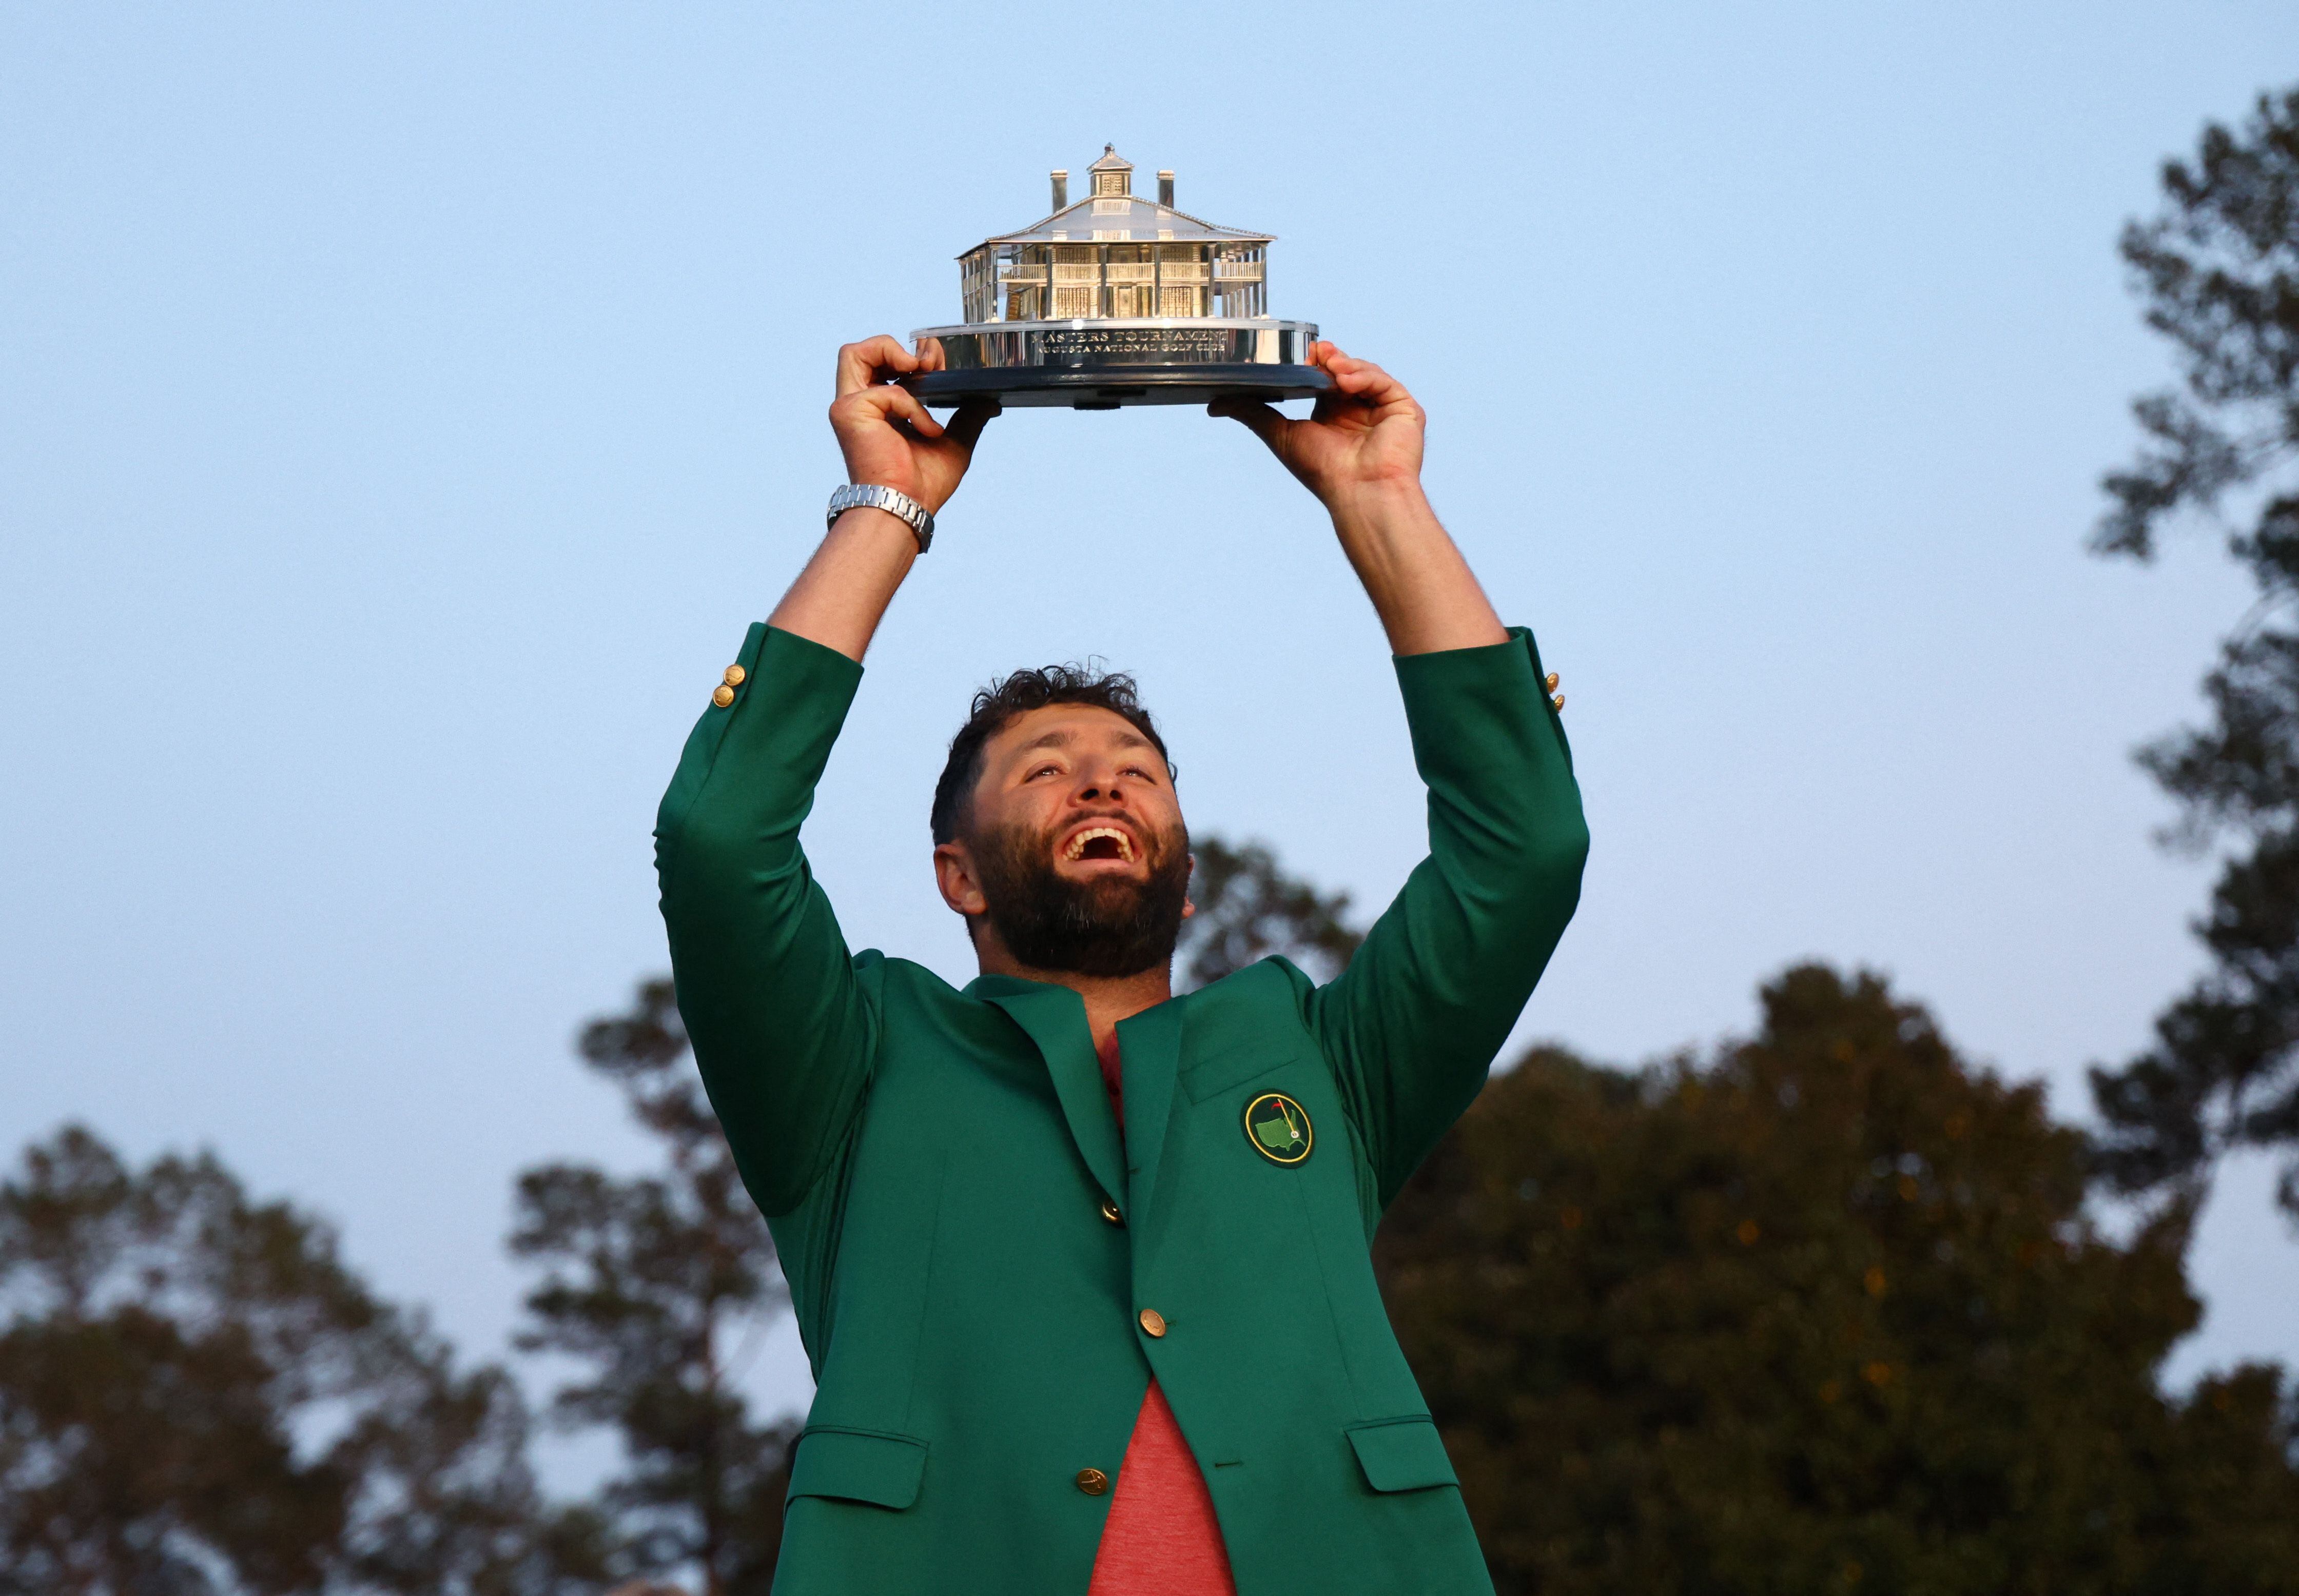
point(1248, 908)
point(197, 1395)
point(1824, 1314)
point(658, 1283)
point(2218, 271)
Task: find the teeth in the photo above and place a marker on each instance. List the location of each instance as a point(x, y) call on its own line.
point(1076, 849)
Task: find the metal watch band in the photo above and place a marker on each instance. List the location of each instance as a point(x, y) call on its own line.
point(859, 495)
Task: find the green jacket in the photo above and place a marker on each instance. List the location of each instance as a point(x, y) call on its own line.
point(939, 1168)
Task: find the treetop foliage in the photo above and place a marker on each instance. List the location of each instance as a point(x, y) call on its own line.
point(197, 1395)
point(659, 1285)
point(2219, 268)
point(1249, 908)
point(2218, 271)
point(1824, 1312)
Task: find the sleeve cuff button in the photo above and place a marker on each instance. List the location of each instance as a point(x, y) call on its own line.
point(723, 696)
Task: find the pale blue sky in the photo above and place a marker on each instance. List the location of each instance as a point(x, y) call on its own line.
point(403, 410)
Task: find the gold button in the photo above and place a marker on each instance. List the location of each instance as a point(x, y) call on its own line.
point(723, 696)
point(1153, 1321)
point(735, 673)
point(1550, 683)
point(1557, 703)
point(1109, 1212)
point(1092, 1481)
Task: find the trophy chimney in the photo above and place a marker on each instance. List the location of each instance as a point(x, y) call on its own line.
point(1061, 189)
point(1165, 189)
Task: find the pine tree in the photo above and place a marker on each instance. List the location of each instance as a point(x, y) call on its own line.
point(2218, 269)
point(660, 1284)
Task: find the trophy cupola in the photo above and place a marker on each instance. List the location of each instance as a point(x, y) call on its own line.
point(1112, 175)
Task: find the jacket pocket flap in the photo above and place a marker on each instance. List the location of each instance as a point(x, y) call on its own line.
point(859, 1466)
point(1234, 1066)
point(1401, 1454)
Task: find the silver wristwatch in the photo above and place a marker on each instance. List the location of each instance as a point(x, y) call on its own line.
point(859, 495)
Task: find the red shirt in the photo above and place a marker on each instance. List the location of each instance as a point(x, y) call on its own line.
point(1161, 1538)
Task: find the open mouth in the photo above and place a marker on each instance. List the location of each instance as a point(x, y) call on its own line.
point(1100, 842)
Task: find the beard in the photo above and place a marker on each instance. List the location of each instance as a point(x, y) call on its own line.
point(1104, 926)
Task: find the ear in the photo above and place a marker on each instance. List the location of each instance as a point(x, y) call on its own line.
point(1189, 904)
point(954, 875)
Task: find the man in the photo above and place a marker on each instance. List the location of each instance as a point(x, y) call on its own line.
point(1082, 1267)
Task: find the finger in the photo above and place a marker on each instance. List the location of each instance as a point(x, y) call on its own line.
point(973, 416)
point(911, 408)
point(900, 404)
point(1341, 398)
point(1362, 380)
point(1349, 389)
point(930, 355)
point(1261, 419)
point(859, 364)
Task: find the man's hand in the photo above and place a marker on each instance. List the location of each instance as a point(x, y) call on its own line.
point(887, 436)
point(1363, 438)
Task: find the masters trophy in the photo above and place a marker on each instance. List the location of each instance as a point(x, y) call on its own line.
point(1115, 300)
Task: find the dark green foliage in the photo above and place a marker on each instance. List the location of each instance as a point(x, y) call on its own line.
point(1824, 1315)
point(659, 1284)
point(197, 1395)
point(2218, 269)
point(1249, 908)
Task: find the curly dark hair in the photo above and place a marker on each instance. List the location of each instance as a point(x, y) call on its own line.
point(997, 707)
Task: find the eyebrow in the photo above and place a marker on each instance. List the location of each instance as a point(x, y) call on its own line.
point(1130, 738)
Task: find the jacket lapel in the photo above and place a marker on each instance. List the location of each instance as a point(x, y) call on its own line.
point(1055, 1018)
point(1149, 1047)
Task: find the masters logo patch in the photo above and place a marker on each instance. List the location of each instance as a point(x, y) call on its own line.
point(1279, 1128)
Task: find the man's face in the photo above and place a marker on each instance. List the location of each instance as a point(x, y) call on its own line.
point(1074, 847)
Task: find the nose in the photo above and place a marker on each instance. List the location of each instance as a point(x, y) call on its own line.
point(1099, 787)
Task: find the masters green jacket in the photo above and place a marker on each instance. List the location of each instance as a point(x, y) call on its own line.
point(986, 1274)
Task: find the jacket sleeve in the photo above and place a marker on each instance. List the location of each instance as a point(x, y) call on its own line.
point(784, 1024)
point(1411, 1027)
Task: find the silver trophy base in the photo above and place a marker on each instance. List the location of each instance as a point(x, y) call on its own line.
point(1101, 365)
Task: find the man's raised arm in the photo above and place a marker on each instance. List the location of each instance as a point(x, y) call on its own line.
point(783, 1026)
point(890, 441)
point(1359, 452)
point(1412, 1025)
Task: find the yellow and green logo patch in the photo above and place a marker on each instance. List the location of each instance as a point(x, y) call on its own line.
point(1279, 1128)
